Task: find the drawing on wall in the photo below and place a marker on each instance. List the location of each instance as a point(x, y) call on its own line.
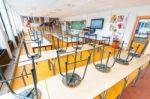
point(117, 26)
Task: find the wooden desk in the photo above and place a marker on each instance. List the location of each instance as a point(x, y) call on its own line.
point(95, 82)
point(51, 54)
point(99, 39)
point(69, 41)
point(41, 85)
point(45, 44)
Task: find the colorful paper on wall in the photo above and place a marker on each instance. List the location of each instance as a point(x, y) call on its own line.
point(117, 26)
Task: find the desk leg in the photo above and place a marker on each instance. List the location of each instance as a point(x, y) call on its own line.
point(98, 49)
point(48, 37)
point(137, 77)
point(24, 71)
point(52, 38)
point(146, 70)
point(49, 64)
point(52, 65)
point(54, 72)
point(33, 50)
point(67, 44)
point(81, 55)
point(51, 47)
point(23, 79)
point(123, 87)
point(104, 95)
point(45, 47)
point(67, 58)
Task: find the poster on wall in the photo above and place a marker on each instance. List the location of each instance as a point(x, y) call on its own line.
point(117, 26)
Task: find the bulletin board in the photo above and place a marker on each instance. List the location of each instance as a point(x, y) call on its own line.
point(118, 25)
point(77, 25)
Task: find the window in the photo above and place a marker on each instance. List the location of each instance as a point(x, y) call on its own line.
point(3, 26)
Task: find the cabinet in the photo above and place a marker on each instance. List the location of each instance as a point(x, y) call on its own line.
point(4, 58)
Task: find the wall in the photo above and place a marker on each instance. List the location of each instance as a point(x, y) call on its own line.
point(132, 13)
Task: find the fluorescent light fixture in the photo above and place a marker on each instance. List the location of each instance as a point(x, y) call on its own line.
point(58, 9)
point(52, 12)
point(70, 5)
point(88, 0)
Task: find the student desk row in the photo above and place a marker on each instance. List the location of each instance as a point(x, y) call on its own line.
point(45, 43)
point(67, 40)
point(94, 83)
point(52, 54)
point(99, 39)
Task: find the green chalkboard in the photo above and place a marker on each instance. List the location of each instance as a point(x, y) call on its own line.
point(77, 25)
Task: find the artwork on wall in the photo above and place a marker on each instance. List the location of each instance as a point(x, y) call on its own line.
point(117, 26)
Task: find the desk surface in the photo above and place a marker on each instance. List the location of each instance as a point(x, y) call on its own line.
point(52, 54)
point(69, 38)
point(81, 35)
point(43, 44)
point(41, 85)
point(95, 82)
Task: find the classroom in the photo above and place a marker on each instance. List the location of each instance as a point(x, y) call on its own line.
point(74, 49)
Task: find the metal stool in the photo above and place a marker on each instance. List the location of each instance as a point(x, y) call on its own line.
point(72, 79)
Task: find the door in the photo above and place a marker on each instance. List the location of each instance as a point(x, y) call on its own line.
point(141, 32)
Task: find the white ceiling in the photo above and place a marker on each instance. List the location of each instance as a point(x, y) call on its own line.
point(63, 8)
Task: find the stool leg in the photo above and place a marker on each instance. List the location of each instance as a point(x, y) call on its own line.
point(24, 82)
point(24, 68)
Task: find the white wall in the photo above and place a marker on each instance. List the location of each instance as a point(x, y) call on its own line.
point(131, 12)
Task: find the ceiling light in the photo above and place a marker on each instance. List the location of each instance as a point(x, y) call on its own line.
point(58, 9)
point(52, 11)
point(88, 0)
point(70, 5)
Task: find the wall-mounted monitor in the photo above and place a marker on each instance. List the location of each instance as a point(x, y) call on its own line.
point(97, 23)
